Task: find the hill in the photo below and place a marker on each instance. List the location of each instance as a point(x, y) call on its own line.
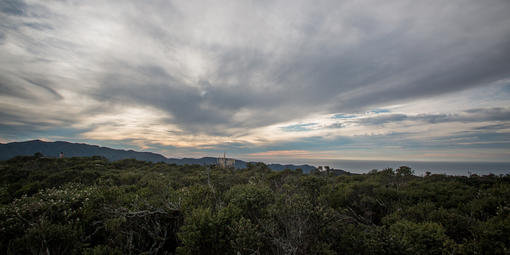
point(53, 149)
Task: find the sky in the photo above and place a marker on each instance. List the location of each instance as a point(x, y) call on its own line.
point(273, 80)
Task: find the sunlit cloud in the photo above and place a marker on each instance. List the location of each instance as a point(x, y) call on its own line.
point(198, 78)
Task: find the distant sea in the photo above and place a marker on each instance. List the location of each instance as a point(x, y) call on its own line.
point(419, 167)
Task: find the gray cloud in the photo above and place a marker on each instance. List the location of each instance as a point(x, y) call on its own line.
point(379, 120)
point(206, 63)
point(13, 7)
point(24, 88)
point(472, 115)
point(494, 127)
point(491, 114)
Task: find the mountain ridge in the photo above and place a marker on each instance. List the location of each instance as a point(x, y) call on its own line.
point(53, 149)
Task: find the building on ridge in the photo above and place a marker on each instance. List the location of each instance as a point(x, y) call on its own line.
point(226, 162)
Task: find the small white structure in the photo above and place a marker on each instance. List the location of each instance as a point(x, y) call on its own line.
point(226, 162)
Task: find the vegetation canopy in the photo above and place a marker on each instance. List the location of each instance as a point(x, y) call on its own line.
point(90, 205)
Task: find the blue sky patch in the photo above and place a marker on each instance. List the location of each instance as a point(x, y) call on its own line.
point(298, 127)
point(343, 116)
point(380, 111)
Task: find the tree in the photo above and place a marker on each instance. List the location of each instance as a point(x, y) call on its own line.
point(404, 171)
point(420, 238)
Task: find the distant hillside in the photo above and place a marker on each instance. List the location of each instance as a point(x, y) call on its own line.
point(53, 149)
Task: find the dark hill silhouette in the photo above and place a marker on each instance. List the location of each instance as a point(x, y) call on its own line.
point(53, 149)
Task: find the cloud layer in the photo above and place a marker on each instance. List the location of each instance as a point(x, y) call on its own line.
point(201, 77)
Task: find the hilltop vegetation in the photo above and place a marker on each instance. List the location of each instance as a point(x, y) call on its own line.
point(94, 206)
point(53, 150)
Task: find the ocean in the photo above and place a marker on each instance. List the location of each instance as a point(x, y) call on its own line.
point(419, 167)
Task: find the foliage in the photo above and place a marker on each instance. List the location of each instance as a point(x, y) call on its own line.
point(93, 206)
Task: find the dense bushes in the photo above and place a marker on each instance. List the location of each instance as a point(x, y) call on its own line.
point(92, 206)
